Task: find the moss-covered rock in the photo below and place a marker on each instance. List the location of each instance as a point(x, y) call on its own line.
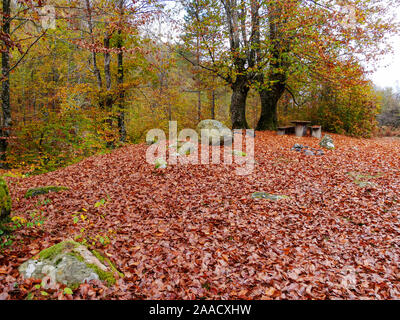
point(5, 200)
point(215, 132)
point(70, 263)
point(327, 142)
point(268, 196)
point(33, 192)
point(362, 179)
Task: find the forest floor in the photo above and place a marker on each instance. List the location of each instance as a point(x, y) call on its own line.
point(195, 232)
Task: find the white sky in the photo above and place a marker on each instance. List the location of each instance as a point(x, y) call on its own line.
point(388, 72)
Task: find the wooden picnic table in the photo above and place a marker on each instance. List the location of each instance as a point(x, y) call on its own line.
point(301, 127)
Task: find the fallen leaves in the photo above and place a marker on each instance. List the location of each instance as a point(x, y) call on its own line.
point(195, 231)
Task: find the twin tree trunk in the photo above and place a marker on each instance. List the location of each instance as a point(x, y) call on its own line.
point(269, 107)
point(272, 92)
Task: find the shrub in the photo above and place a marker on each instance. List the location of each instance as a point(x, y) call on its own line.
point(5, 200)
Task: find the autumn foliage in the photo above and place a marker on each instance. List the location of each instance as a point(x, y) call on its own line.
point(194, 231)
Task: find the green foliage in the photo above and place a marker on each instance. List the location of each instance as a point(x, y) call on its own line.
point(390, 113)
point(33, 192)
point(351, 111)
point(57, 139)
point(68, 291)
point(100, 203)
point(36, 220)
point(57, 249)
point(5, 201)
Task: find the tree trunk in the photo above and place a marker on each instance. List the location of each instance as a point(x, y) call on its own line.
point(120, 80)
point(198, 78)
point(269, 107)
point(107, 69)
point(271, 93)
point(5, 86)
point(238, 104)
point(213, 104)
point(96, 70)
point(120, 77)
point(108, 99)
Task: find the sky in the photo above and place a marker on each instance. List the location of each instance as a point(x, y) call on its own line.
point(388, 69)
point(388, 72)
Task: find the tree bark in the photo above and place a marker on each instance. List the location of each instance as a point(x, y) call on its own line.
point(269, 107)
point(120, 80)
point(107, 69)
point(120, 76)
point(108, 99)
point(240, 89)
point(271, 92)
point(96, 70)
point(5, 86)
point(213, 104)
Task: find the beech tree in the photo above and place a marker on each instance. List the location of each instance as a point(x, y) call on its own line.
point(11, 21)
point(262, 44)
point(229, 34)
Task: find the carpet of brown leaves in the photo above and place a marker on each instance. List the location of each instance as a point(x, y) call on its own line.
point(191, 232)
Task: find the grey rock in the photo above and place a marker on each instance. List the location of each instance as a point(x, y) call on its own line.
point(264, 195)
point(309, 153)
point(327, 142)
point(69, 263)
point(216, 132)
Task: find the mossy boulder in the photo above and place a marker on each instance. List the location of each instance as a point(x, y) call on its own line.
point(5, 200)
point(327, 142)
point(362, 179)
point(33, 192)
point(268, 196)
point(70, 263)
point(216, 132)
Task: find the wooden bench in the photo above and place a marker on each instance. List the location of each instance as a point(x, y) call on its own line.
point(316, 131)
point(285, 130)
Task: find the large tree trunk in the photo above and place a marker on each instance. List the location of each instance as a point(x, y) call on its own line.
point(238, 104)
point(271, 92)
point(269, 106)
point(108, 98)
point(5, 86)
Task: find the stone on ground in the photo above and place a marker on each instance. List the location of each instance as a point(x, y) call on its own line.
point(216, 132)
point(69, 263)
point(33, 192)
point(264, 195)
point(327, 142)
